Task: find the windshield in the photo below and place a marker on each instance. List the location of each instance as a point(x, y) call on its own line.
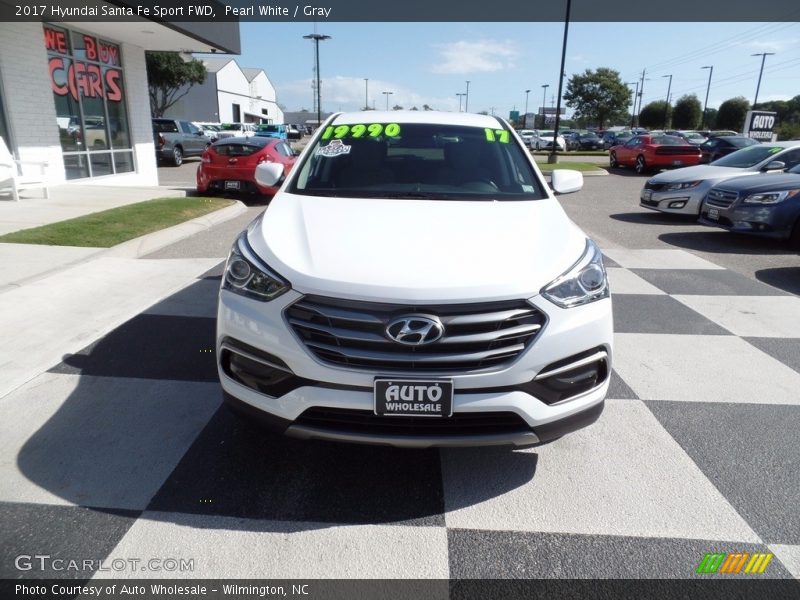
point(417, 160)
point(231, 126)
point(269, 128)
point(548, 133)
point(747, 157)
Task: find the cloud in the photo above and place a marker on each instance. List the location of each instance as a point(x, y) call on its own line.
point(480, 56)
point(347, 93)
point(771, 45)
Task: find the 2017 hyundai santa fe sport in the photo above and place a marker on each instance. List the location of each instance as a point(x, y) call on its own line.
point(414, 282)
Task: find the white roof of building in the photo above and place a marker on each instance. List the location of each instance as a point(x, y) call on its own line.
point(213, 65)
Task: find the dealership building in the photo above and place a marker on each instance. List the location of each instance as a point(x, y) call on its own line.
point(75, 94)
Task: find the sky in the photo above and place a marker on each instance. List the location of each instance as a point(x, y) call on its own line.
point(429, 63)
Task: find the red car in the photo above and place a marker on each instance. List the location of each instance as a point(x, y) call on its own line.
point(229, 165)
point(652, 152)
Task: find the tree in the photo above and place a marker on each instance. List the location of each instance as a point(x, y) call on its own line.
point(426, 107)
point(652, 115)
point(170, 78)
point(711, 118)
point(598, 96)
point(414, 108)
point(687, 112)
point(732, 112)
point(397, 107)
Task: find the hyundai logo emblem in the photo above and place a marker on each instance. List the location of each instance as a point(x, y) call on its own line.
point(415, 330)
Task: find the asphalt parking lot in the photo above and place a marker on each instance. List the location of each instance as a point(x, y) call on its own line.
point(696, 452)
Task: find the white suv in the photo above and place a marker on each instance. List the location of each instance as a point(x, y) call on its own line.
point(414, 282)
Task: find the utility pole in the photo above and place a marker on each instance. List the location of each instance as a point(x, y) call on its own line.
point(763, 56)
point(317, 37)
point(708, 89)
point(641, 94)
point(666, 104)
point(466, 100)
point(387, 94)
point(525, 117)
point(366, 94)
point(635, 97)
point(459, 101)
point(553, 158)
point(544, 102)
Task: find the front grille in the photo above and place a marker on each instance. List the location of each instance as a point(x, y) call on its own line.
point(364, 421)
point(721, 198)
point(476, 336)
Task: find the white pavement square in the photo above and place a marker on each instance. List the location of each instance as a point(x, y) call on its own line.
point(789, 556)
point(63, 313)
point(623, 281)
point(657, 259)
point(702, 368)
point(229, 547)
point(583, 484)
point(750, 316)
point(97, 441)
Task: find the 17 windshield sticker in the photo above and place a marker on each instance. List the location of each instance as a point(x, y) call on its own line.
point(497, 135)
point(360, 130)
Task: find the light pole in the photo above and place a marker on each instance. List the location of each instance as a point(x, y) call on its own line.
point(544, 101)
point(635, 95)
point(387, 94)
point(466, 100)
point(553, 158)
point(763, 56)
point(525, 118)
point(366, 94)
point(666, 104)
point(708, 89)
point(459, 101)
point(317, 37)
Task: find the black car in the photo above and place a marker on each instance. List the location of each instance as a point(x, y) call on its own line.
point(718, 147)
point(584, 141)
point(616, 138)
point(767, 206)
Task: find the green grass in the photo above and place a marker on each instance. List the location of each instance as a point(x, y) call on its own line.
point(572, 153)
point(575, 166)
point(111, 227)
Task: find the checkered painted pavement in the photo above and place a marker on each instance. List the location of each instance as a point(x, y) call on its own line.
point(124, 450)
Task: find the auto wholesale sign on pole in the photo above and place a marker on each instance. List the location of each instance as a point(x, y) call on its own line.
point(759, 125)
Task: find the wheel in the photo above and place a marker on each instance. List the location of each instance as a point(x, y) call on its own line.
point(177, 156)
point(612, 160)
point(537, 146)
point(641, 166)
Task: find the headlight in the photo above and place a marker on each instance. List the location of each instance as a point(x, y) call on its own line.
point(246, 275)
point(586, 281)
point(770, 197)
point(671, 187)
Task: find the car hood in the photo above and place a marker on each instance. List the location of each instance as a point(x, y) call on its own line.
point(416, 250)
point(700, 172)
point(767, 183)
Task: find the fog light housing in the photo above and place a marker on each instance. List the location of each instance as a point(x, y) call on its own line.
point(678, 204)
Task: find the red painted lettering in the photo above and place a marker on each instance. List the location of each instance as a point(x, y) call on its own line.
point(55, 40)
point(113, 92)
point(91, 47)
point(57, 64)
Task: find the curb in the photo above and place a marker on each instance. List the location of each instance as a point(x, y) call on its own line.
point(145, 244)
point(151, 242)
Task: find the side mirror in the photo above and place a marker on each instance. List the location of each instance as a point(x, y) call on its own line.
point(268, 174)
point(775, 165)
point(566, 181)
point(199, 132)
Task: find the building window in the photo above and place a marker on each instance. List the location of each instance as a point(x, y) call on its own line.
point(86, 76)
point(237, 113)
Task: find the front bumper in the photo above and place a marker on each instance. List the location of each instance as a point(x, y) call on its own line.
point(684, 202)
point(307, 398)
point(773, 221)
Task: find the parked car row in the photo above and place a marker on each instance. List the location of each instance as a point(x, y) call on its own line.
point(753, 190)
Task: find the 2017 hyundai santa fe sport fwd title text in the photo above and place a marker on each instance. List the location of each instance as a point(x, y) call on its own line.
point(414, 282)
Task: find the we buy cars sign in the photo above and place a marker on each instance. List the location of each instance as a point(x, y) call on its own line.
point(759, 125)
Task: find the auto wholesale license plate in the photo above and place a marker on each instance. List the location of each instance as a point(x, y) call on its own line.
point(231, 185)
point(677, 163)
point(414, 397)
point(713, 214)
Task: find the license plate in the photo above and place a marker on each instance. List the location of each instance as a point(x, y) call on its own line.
point(677, 163)
point(713, 214)
point(414, 397)
point(231, 185)
point(647, 195)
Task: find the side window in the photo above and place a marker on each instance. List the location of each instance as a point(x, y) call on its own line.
point(634, 142)
point(185, 127)
point(285, 150)
point(791, 158)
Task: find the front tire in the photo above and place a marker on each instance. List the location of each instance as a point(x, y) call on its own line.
point(177, 156)
point(612, 160)
point(641, 165)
